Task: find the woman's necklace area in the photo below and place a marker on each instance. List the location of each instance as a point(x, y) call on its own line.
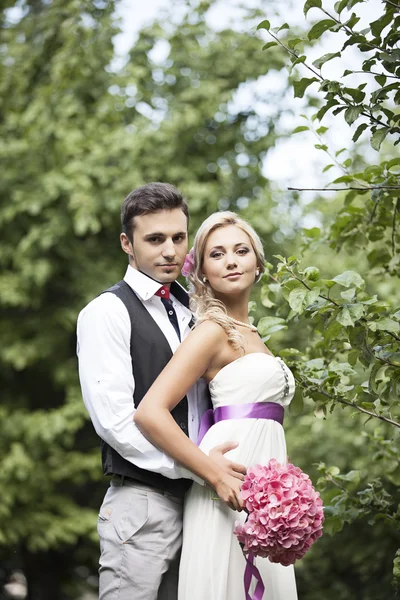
point(248, 325)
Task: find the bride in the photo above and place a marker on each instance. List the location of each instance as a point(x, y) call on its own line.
point(226, 350)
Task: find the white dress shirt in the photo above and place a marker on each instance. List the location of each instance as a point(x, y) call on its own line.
point(107, 382)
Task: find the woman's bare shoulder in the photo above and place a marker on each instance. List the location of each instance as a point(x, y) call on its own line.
point(207, 335)
point(209, 329)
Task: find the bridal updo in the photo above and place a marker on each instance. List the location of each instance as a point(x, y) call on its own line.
point(203, 302)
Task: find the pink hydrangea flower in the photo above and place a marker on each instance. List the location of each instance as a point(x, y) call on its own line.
point(285, 513)
point(188, 265)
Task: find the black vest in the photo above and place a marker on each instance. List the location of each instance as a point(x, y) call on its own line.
point(150, 353)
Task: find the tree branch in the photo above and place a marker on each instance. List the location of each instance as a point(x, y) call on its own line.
point(351, 32)
point(394, 228)
point(374, 187)
point(293, 53)
point(396, 337)
point(354, 405)
point(308, 287)
point(392, 4)
point(373, 73)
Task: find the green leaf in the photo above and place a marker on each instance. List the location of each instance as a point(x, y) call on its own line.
point(357, 94)
point(312, 232)
point(384, 324)
point(325, 58)
point(300, 128)
point(301, 86)
point(296, 60)
point(311, 4)
point(359, 131)
point(338, 110)
point(352, 476)
point(297, 299)
point(311, 273)
point(296, 406)
point(333, 525)
point(312, 295)
point(294, 42)
point(344, 317)
point(352, 357)
point(327, 167)
point(352, 113)
point(348, 295)
point(381, 79)
point(264, 25)
point(353, 39)
point(282, 27)
point(357, 311)
point(392, 163)
point(265, 300)
point(269, 45)
point(344, 179)
point(324, 109)
point(349, 278)
point(378, 25)
point(377, 138)
point(269, 325)
point(319, 28)
point(339, 6)
point(352, 21)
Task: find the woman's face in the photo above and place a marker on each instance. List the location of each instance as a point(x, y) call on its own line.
point(230, 262)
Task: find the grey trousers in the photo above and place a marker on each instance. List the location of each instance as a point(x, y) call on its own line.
point(140, 532)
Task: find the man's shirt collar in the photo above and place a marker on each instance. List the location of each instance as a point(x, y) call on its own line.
point(144, 286)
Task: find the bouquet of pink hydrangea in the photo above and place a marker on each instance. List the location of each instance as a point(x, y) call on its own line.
point(285, 513)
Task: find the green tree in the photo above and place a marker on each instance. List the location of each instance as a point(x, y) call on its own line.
point(351, 358)
point(77, 134)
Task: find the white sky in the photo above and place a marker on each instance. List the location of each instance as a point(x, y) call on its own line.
point(295, 161)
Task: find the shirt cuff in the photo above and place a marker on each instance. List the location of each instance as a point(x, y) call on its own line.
point(186, 474)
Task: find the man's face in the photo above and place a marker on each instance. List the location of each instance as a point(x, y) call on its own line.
point(160, 244)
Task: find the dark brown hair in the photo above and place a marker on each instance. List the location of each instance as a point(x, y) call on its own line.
point(150, 198)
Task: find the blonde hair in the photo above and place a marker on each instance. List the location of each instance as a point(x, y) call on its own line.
point(202, 299)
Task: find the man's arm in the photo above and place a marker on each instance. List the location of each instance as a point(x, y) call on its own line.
point(191, 360)
point(105, 372)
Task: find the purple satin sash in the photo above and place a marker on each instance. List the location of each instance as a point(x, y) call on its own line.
point(257, 410)
point(250, 572)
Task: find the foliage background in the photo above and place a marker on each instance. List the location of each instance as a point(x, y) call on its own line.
point(78, 132)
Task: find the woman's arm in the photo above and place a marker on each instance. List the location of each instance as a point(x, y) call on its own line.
point(153, 415)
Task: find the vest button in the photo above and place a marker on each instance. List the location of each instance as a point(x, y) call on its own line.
point(170, 312)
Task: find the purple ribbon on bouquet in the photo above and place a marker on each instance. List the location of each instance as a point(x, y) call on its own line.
point(250, 572)
point(258, 410)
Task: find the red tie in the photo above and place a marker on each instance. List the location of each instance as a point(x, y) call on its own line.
point(163, 292)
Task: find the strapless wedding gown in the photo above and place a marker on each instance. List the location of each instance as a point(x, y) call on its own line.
point(212, 564)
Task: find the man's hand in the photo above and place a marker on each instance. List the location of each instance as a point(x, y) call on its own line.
point(229, 468)
point(228, 490)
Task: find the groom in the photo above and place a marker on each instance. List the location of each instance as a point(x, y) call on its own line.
point(126, 336)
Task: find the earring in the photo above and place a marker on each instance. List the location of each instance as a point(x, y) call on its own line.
point(204, 279)
point(257, 272)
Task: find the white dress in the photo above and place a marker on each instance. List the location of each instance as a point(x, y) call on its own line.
point(212, 563)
